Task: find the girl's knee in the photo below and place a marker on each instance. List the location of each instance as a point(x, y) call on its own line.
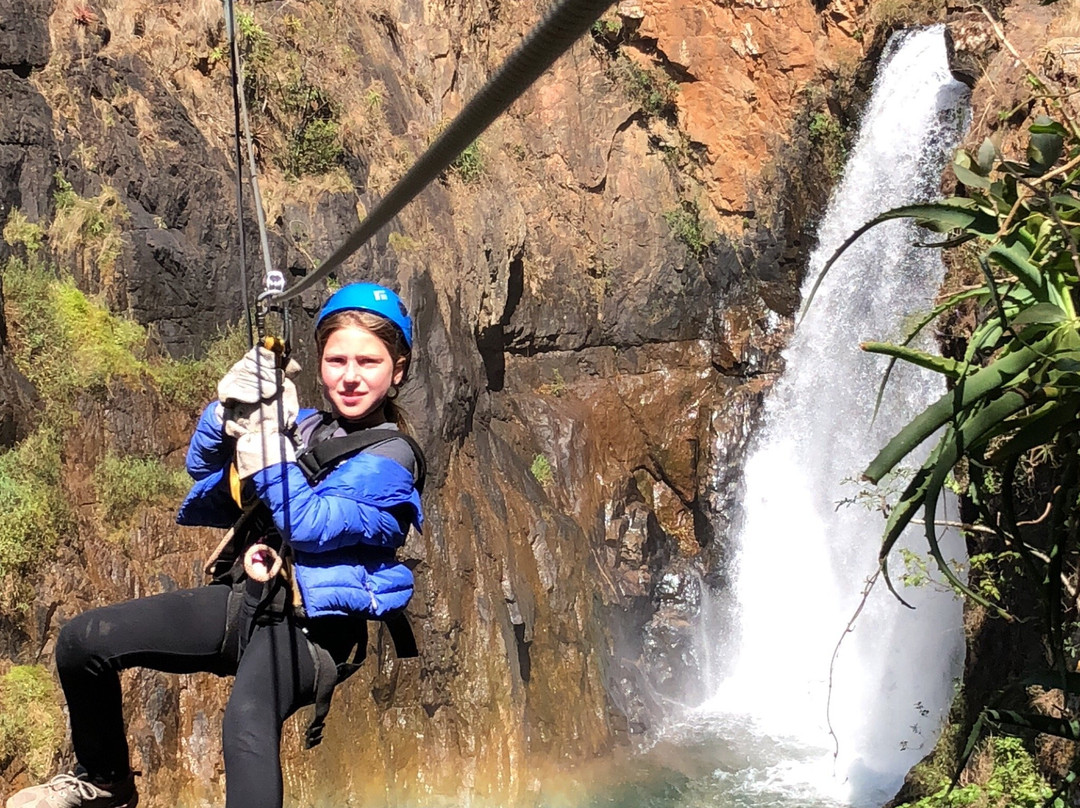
point(75, 639)
point(249, 727)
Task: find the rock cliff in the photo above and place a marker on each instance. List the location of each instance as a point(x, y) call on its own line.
point(600, 293)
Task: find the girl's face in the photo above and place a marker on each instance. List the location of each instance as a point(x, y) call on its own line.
point(357, 371)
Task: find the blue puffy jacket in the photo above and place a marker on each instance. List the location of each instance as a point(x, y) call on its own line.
point(343, 530)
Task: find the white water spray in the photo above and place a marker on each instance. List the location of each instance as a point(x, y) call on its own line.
point(803, 560)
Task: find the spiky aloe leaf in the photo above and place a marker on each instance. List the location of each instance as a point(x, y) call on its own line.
point(983, 426)
point(989, 380)
point(1045, 125)
point(1061, 727)
point(939, 364)
point(941, 217)
point(1063, 201)
point(985, 156)
point(1046, 144)
point(970, 178)
point(980, 427)
point(1044, 313)
point(1015, 258)
point(946, 305)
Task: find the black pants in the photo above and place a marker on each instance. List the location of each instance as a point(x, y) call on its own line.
point(182, 632)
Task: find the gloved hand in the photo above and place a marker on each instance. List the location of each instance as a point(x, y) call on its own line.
point(265, 416)
point(261, 449)
point(260, 408)
point(256, 377)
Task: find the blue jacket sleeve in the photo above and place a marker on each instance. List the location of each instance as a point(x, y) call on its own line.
point(367, 500)
point(210, 449)
point(209, 503)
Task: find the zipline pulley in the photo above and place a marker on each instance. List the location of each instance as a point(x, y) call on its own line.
point(267, 304)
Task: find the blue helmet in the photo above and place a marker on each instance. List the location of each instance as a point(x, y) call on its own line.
point(370, 297)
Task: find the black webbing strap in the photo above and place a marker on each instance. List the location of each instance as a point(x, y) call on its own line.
point(329, 674)
point(321, 457)
point(326, 678)
point(402, 634)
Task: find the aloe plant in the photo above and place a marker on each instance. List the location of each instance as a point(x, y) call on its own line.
point(1016, 389)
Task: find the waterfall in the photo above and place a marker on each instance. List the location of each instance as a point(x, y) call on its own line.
point(803, 558)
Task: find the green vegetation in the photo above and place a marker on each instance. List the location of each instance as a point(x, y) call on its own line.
point(541, 470)
point(315, 149)
point(827, 137)
point(36, 513)
point(1013, 782)
point(556, 387)
point(65, 344)
point(649, 88)
point(1007, 434)
point(70, 347)
point(686, 225)
point(31, 723)
point(400, 243)
point(91, 225)
point(20, 232)
point(123, 484)
point(68, 344)
point(607, 29)
point(469, 165)
point(278, 83)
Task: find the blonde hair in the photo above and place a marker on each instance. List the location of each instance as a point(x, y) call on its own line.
point(391, 337)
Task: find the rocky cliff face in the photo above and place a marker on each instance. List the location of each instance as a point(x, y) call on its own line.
point(598, 304)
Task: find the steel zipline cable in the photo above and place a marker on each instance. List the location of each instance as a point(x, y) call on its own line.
point(561, 27)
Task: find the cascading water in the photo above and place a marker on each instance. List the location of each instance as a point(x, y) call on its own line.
point(803, 560)
point(763, 740)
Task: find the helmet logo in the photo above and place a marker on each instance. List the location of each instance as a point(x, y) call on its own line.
point(379, 294)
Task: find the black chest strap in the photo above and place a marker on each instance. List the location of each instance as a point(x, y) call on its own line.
point(317, 460)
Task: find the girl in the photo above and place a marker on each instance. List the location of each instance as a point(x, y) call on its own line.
point(280, 636)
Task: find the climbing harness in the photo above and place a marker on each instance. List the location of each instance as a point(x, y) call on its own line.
point(323, 456)
point(258, 599)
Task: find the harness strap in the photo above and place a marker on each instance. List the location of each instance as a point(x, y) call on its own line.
point(231, 644)
point(320, 458)
point(402, 634)
point(326, 679)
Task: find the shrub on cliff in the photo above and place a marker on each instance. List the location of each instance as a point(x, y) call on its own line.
point(71, 347)
point(1009, 780)
point(123, 484)
point(32, 726)
point(36, 516)
point(68, 344)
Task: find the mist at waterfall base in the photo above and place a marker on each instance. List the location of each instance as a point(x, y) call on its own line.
point(803, 560)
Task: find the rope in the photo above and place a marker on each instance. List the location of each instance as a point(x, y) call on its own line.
point(553, 36)
point(234, 64)
point(274, 280)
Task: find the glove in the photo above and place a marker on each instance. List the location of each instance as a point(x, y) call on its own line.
point(264, 416)
point(262, 449)
point(256, 377)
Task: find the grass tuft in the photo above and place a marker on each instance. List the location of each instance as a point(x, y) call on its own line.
point(36, 513)
point(31, 722)
point(124, 484)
